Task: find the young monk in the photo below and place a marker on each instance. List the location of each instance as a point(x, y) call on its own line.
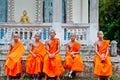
point(52, 61)
point(103, 66)
point(13, 65)
point(73, 61)
point(34, 60)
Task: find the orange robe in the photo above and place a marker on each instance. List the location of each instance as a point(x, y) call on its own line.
point(103, 69)
point(76, 63)
point(53, 66)
point(34, 64)
point(13, 64)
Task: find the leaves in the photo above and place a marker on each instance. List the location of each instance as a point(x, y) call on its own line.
point(109, 18)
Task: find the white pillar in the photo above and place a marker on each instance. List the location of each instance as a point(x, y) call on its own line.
point(84, 11)
point(57, 11)
point(28, 35)
point(94, 8)
point(57, 19)
point(19, 31)
point(23, 35)
point(80, 11)
point(77, 11)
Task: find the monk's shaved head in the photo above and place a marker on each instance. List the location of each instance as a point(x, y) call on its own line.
point(73, 34)
point(72, 37)
point(37, 34)
point(16, 35)
point(52, 31)
point(100, 35)
point(100, 32)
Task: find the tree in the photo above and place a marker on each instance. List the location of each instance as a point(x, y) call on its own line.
point(109, 18)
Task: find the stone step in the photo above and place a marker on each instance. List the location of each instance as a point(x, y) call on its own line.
point(88, 69)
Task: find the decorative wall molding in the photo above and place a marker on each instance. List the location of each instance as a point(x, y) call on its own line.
point(10, 11)
point(39, 11)
point(69, 11)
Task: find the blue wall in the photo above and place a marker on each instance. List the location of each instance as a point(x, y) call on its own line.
point(3, 10)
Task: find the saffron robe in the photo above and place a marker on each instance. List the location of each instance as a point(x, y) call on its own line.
point(74, 63)
point(103, 68)
point(53, 66)
point(13, 64)
point(34, 64)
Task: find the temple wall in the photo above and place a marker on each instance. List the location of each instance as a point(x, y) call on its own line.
point(29, 6)
point(77, 14)
point(80, 11)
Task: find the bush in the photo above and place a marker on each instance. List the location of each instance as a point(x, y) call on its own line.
point(109, 18)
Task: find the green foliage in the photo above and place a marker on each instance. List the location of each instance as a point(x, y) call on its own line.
point(114, 78)
point(109, 18)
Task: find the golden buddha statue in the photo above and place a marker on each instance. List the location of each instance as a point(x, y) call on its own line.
point(25, 18)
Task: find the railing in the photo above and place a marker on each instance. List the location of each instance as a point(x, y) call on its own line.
point(81, 31)
point(26, 32)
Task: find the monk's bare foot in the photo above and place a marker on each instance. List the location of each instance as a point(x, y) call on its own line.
point(98, 78)
point(45, 78)
point(57, 78)
point(108, 78)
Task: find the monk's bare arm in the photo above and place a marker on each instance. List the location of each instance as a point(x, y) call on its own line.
point(31, 48)
point(67, 48)
point(47, 47)
point(10, 48)
point(78, 51)
point(107, 53)
point(96, 49)
point(58, 47)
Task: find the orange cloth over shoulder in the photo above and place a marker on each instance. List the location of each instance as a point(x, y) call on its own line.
point(53, 66)
point(34, 64)
point(76, 63)
point(105, 68)
point(13, 64)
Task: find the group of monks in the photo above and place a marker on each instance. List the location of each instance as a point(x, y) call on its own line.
point(47, 59)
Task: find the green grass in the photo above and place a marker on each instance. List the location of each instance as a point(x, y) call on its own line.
point(114, 78)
